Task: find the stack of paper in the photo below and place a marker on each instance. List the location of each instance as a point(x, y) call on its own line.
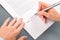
point(35, 27)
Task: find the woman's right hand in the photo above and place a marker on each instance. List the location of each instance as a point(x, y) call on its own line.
point(51, 14)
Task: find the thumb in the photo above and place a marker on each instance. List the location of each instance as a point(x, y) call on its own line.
point(22, 38)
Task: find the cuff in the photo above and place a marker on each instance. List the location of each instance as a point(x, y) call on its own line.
point(1, 38)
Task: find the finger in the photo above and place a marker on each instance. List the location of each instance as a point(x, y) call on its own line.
point(18, 23)
point(43, 19)
point(6, 22)
point(13, 22)
point(39, 6)
point(52, 10)
point(44, 5)
point(44, 14)
point(22, 38)
point(20, 28)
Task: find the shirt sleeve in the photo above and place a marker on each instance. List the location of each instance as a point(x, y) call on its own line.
point(1, 38)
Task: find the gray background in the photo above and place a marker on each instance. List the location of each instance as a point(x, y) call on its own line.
point(53, 33)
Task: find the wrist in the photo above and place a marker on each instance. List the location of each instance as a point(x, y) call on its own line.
point(4, 38)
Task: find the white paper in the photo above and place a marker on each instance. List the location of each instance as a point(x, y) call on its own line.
point(35, 27)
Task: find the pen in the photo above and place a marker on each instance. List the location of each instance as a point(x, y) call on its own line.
point(32, 12)
point(51, 6)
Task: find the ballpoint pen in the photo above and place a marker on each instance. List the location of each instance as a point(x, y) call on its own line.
point(32, 12)
point(51, 6)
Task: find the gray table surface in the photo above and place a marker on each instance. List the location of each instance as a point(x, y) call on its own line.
point(53, 33)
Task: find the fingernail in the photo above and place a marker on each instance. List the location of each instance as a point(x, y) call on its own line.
point(39, 12)
point(25, 37)
point(21, 19)
point(8, 18)
point(15, 18)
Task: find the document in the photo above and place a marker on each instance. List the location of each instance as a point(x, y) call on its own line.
point(25, 8)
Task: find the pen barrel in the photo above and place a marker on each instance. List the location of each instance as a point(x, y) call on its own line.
point(51, 6)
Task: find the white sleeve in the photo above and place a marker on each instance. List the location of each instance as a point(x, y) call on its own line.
point(1, 38)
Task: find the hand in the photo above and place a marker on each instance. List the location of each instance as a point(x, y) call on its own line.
point(11, 31)
point(51, 14)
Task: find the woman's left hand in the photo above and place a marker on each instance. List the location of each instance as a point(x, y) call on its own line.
point(11, 31)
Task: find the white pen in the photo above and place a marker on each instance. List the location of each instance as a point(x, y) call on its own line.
point(52, 6)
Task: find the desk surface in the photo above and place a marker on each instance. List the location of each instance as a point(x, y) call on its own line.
point(53, 33)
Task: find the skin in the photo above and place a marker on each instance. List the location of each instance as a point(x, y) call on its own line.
point(51, 14)
point(11, 31)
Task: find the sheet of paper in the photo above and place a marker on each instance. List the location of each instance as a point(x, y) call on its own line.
point(35, 27)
